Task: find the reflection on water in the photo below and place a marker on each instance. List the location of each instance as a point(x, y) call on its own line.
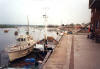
point(8, 39)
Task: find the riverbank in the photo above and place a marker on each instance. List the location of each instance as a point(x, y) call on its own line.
point(7, 26)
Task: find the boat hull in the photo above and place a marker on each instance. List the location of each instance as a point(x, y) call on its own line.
point(18, 54)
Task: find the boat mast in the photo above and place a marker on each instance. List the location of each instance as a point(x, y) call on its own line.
point(45, 21)
point(28, 25)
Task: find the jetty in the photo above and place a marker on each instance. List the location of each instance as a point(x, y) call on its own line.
point(75, 52)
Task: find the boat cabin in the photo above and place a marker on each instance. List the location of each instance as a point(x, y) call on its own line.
point(22, 38)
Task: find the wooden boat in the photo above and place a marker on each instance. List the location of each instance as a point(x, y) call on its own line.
point(6, 31)
point(24, 46)
point(48, 42)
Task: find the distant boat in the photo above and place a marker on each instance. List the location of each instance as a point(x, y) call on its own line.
point(6, 31)
point(24, 46)
point(16, 33)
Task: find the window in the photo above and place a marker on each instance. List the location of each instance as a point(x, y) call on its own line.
point(24, 39)
point(21, 39)
point(18, 39)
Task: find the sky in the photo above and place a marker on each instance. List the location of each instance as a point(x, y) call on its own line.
point(58, 11)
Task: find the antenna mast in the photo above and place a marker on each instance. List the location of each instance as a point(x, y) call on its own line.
point(28, 25)
point(45, 21)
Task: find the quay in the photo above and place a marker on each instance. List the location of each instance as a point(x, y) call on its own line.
point(75, 52)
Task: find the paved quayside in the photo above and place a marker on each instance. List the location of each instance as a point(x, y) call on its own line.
point(75, 52)
point(60, 57)
point(86, 53)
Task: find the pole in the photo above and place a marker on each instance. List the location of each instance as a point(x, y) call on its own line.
point(28, 24)
point(45, 21)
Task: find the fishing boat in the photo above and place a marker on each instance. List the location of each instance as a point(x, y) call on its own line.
point(25, 45)
point(48, 42)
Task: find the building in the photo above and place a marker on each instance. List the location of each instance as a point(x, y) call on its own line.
point(94, 5)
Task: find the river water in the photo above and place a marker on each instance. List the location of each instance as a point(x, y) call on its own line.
point(8, 39)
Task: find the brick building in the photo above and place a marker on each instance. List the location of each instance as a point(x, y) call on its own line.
point(94, 5)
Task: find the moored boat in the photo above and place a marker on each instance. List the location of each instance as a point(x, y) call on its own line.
point(24, 47)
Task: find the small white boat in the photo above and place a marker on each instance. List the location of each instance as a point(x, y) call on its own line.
point(24, 47)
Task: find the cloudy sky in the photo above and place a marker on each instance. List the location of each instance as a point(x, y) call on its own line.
point(58, 11)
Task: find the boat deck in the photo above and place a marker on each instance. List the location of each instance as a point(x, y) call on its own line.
point(19, 46)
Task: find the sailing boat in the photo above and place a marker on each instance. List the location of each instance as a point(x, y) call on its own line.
point(24, 47)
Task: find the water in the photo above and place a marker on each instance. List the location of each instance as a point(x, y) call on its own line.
point(8, 39)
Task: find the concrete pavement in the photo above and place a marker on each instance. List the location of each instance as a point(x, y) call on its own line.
point(75, 52)
point(60, 57)
point(86, 53)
